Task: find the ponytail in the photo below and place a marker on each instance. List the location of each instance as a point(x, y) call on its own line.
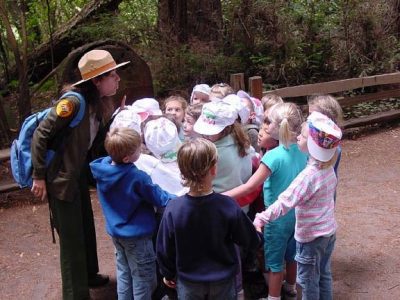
point(285, 134)
point(289, 119)
point(241, 139)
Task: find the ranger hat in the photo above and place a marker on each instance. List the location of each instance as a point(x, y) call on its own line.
point(95, 63)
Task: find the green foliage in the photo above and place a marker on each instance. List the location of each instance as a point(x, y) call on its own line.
point(286, 42)
point(177, 67)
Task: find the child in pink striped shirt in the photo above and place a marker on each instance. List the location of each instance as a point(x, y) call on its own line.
point(312, 193)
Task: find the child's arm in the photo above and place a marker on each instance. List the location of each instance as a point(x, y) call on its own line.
point(244, 233)
point(165, 249)
point(152, 192)
point(262, 173)
point(297, 191)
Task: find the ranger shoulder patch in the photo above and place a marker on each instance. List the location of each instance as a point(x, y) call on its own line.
point(65, 108)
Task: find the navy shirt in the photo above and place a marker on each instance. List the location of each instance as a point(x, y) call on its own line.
point(197, 237)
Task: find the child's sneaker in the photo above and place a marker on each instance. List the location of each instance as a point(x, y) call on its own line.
point(288, 294)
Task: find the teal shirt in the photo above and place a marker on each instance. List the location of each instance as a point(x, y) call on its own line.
point(284, 164)
point(232, 170)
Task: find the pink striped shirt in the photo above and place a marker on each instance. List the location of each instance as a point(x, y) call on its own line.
point(312, 194)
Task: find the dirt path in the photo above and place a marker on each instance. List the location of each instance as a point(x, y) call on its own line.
point(366, 262)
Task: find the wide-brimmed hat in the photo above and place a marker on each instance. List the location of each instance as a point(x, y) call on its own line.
point(95, 63)
point(323, 136)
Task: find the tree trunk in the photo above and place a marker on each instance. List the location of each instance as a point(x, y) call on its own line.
point(39, 62)
point(4, 126)
point(205, 20)
point(4, 59)
point(20, 55)
point(183, 21)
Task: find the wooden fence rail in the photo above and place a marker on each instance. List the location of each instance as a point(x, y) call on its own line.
point(337, 87)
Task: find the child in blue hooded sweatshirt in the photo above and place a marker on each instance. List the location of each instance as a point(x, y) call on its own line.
point(127, 196)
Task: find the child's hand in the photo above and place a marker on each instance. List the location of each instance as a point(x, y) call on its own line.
point(258, 224)
point(258, 228)
point(169, 283)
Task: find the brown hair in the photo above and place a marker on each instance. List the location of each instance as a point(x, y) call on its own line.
point(103, 106)
point(194, 110)
point(195, 159)
point(327, 105)
point(121, 142)
point(221, 90)
point(178, 98)
point(270, 100)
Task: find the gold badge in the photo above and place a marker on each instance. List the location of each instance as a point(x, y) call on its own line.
point(64, 108)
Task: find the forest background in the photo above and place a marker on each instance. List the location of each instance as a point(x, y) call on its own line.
point(287, 42)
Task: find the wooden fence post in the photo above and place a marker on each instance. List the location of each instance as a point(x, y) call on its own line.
point(237, 81)
point(256, 87)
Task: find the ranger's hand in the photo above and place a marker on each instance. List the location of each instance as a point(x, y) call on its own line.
point(39, 188)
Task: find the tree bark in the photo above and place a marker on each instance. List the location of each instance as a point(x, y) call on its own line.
point(183, 21)
point(20, 55)
point(39, 63)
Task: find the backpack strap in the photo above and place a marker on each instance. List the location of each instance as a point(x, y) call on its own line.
point(82, 106)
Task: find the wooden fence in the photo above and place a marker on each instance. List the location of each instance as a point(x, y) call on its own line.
point(337, 87)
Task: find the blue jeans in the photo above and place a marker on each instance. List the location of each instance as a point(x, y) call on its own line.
point(136, 268)
point(217, 290)
point(314, 273)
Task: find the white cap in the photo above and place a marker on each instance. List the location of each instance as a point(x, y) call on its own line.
point(201, 88)
point(215, 116)
point(149, 105)
point(162, 139)
point(128, 117)
point(237, 104)
point(323, 136)
point(257, 105)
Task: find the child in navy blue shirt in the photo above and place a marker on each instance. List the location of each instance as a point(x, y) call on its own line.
point(128, 196)
point(197, 236)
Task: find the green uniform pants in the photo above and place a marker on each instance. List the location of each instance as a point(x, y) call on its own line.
point(77, 236)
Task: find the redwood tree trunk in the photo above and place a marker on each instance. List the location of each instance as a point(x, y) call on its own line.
point(183, 21)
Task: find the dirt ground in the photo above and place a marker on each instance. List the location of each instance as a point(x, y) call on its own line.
point(366, 262)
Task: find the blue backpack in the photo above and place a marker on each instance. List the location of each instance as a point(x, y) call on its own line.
point(21, 156)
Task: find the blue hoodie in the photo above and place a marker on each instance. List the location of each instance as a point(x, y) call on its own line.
point(127, 196)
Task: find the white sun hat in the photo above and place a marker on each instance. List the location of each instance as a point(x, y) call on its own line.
point(201, 88)
point(236, 102)
point(215, 116)
point(149, 105)
point(162, 139)
point(128, 117)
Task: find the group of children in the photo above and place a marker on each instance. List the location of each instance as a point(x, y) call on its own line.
point(208, 166)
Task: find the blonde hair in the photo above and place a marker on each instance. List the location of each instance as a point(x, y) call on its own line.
point(221, 90)
point(327, 105)
point(194, 110)
point(289, 119)
point(177, 98)
point(270, 100)
point(121, 142)
point(195, 159)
